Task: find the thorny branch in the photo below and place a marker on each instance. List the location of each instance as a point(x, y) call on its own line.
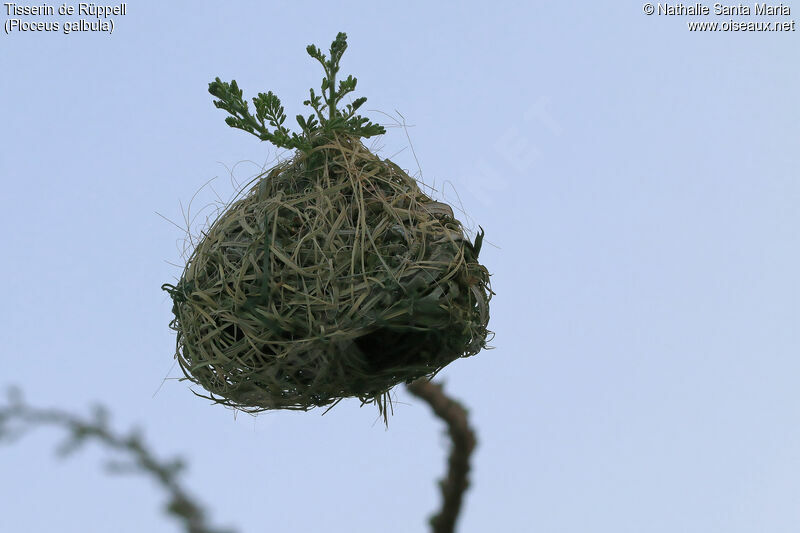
point(17, 418)
point(456, 481)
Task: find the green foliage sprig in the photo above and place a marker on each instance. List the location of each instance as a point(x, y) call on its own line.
point(326, 118)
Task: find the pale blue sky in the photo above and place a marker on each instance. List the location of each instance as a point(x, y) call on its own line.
point(638, 184)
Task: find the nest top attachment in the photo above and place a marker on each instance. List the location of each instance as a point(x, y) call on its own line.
point(335, 276)
point(316, 128)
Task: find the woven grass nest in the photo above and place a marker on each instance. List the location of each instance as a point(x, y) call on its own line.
point(334, 276)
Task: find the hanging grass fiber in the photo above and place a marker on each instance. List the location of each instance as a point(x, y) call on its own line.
point(334, 276)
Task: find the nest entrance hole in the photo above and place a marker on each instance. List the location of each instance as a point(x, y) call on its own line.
point(387, 348)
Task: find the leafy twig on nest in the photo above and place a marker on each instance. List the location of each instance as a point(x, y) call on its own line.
point(17, 418)
point(327, 118)
point(456, 482)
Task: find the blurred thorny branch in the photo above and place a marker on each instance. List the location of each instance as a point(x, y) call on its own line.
point(456, 481)
point(17, 418)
